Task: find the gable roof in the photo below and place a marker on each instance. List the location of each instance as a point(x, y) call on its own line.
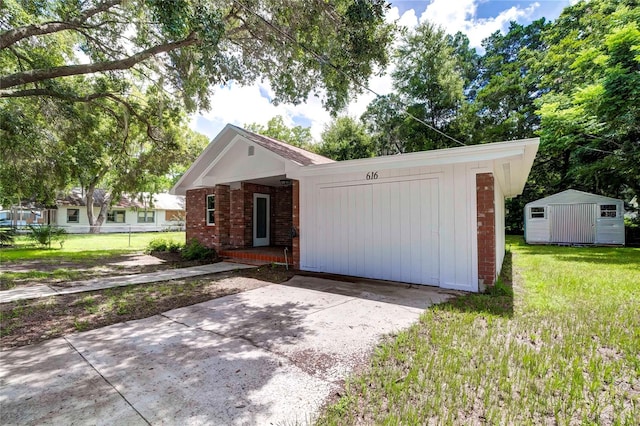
point(570, 196)
point(288, 155)
point(289, 152)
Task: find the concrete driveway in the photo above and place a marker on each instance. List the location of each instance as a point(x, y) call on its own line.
point(271, 355)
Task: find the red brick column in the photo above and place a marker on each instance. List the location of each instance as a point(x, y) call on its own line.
point(222, 216)
point(238, 223)
point(486, 214)
point(296, 223)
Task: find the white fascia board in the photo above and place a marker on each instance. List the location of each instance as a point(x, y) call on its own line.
point(468, 154)
point(180, 188)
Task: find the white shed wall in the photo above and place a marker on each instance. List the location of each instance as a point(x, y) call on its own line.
point(607, 230)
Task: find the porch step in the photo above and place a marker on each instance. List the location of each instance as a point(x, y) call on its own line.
point(253, 256)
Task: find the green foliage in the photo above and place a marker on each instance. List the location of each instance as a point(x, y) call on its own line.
point(7, 236)
point(194, 250)
point(163, 245)
point(192, 47)
point(46, 234)
point(345, 139)
point(276, 128)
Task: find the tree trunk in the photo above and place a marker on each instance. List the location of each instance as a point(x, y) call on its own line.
point(95, 223)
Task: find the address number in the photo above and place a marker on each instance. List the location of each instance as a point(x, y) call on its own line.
point(372, 175)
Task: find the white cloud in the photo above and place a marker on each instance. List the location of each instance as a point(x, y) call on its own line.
point(460, 15)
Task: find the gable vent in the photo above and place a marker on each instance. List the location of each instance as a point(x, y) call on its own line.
point(251, 150)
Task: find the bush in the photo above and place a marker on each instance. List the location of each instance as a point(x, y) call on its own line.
point(45, 234)
point(7, 236)
point(194, 250)
point(157, 244)
point(162, 245)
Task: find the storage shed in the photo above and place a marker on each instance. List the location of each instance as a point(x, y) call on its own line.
point(574, 217)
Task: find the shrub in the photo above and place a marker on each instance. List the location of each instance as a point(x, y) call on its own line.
point(162, 245)
point(7, 236)
point(45, 234)
point(157, 244)
point(194, 250)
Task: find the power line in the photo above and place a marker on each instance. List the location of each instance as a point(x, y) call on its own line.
point(324, 60)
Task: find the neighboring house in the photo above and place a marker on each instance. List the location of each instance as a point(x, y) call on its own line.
point(434, 217)
point(23, 216)
point(129, 214)
point(575, 217)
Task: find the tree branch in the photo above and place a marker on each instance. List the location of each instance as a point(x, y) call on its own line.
point(14, 35)
point(33, 76)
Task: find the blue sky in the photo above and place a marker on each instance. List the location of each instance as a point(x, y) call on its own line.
point(476, 18)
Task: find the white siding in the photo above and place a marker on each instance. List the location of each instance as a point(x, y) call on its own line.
point(414, 225)
point(130, 225)
point(607, 230)
point(499, 227)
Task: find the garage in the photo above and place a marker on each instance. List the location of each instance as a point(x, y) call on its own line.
point(385, 230)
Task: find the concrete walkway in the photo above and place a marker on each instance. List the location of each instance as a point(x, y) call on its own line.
point(269, 356)
point(42, 290)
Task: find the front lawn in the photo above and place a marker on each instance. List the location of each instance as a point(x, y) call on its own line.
point(85, 246)
point(563, 349)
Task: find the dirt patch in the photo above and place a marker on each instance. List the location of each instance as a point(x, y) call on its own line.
point(27, 322)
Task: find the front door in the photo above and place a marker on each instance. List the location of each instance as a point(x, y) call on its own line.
point(260, 220)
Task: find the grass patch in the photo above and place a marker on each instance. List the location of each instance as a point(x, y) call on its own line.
point(561, 348)
point(85, 246)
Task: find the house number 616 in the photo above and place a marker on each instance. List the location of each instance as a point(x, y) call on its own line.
point(372, 175)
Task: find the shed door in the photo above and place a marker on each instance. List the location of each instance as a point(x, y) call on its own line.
point(384, 231)
point(573, 223)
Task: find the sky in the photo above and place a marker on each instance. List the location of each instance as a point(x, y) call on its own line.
point(476, 18)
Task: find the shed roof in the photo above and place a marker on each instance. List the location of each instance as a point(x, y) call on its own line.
point(573, 196)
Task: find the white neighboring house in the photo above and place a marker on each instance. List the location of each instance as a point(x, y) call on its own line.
point(159, 212)
point(575, 217)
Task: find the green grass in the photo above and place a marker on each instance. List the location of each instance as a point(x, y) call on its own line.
point(564, 349)
point(86, 246)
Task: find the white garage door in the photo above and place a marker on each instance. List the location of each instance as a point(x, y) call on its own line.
point(385, 230)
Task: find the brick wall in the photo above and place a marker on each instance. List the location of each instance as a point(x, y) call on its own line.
point(282, 216)
point(196, 223)
point(486, 214)
point(296, 223)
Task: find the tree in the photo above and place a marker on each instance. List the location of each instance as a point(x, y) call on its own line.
point(590, 132)
point(508, 85)
point(97, 146)
point(297, 135)
point(345, 139)
point(428, 79)
point(191, 47)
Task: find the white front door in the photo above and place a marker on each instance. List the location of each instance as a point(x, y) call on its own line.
point(261, 221)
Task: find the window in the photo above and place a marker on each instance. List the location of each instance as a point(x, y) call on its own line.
point(73, 215)
point(608, 210)
point(146, 216)
point(116, 216)
point(211, 209)
point(536, 213)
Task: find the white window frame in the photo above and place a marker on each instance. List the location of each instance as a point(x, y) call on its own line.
point(113, 214)
point(210, 213)
point(605, 212)
point(544, 212)
point(146, 214)
point(77, 216)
